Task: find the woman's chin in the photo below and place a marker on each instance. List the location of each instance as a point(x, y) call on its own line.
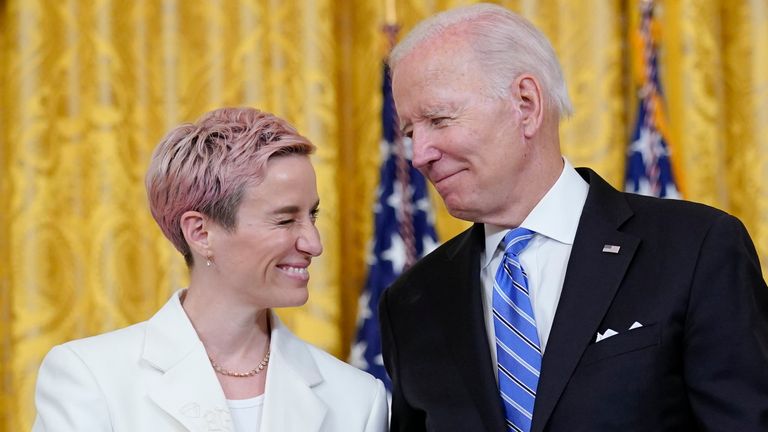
point(297, 297)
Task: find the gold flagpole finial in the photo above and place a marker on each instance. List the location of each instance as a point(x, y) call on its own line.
point(390, 12)
point(390, 26)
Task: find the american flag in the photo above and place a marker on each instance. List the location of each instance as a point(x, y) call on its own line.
point(403, 231)
point(649, 167)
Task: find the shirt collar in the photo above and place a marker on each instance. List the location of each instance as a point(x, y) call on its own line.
point(556, 216)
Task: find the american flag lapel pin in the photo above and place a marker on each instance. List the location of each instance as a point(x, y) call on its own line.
point(614, 249)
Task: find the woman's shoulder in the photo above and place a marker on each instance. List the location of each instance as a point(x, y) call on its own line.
point(330, 364)
point(335, 372)
point(126, 341)
point(104, 347)
point(295, 350)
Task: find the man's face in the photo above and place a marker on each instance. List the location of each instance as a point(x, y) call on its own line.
point(466, 141)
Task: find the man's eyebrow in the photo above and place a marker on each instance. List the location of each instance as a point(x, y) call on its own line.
point(442, 109)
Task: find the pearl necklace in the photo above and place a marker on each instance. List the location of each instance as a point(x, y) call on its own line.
point(250, 373)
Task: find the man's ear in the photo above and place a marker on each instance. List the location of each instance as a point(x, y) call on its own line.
point(530, 104)
point(194, 228)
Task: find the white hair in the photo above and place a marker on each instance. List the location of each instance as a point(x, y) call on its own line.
point(505, 44)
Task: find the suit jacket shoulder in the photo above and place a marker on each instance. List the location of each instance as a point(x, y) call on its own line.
point(135, 378)
point(465, 245)
point(680, 283)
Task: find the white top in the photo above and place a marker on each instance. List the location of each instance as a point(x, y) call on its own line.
point(246, 413)
point(545, 259)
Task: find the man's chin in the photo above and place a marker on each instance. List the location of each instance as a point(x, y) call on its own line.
point(460, 211)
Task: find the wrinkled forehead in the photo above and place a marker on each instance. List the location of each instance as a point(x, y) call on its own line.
point(443, 56)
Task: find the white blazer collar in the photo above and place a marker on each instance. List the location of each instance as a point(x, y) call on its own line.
point(173, 347)
point(290, 403)
point(188, 390)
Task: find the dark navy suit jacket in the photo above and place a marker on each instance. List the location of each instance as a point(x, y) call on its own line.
point(687, 272)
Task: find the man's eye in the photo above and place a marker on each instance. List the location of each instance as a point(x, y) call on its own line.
point(439, 121)
point(285, 221)
point(313, 215)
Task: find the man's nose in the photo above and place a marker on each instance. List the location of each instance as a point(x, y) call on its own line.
point(424, 152)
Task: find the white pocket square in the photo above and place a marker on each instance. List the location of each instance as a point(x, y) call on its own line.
point(605, 335)
point(610, 332)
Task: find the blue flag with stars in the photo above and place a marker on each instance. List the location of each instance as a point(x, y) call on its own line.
point(403, 232)
point(649, 166)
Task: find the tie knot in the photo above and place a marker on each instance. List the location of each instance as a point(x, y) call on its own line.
point(516, 240)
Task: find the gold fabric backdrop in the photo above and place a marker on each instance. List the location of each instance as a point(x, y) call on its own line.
point(88, 88)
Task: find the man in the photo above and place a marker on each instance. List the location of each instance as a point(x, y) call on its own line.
point(568, 306)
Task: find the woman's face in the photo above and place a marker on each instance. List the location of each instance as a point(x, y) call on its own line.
point(265, 260)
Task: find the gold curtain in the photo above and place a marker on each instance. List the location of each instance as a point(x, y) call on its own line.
point(88, 88)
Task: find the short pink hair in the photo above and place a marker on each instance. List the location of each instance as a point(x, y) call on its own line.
point(205, 166)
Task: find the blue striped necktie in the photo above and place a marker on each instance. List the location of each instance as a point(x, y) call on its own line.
point(517, 343)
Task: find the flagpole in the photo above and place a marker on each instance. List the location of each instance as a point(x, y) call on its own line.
point(650, 166)
point(403, 228)
point(390, 26)
point(403, 166)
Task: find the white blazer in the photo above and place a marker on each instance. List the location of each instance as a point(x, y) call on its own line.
point(156, 376)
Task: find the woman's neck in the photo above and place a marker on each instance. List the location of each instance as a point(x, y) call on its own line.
point(228, 329)
point(235, 336)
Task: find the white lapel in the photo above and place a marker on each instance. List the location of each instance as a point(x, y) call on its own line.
point(188, 390)
point(290, 403)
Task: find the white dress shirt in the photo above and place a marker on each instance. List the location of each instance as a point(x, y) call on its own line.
point(545, 259)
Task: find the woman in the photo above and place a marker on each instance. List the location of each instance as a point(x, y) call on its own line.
point(236, 195)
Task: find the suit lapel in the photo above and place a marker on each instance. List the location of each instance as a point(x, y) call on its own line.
point(592, 279)
point(461, 311)
point(291, 376)
point(188, 390)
